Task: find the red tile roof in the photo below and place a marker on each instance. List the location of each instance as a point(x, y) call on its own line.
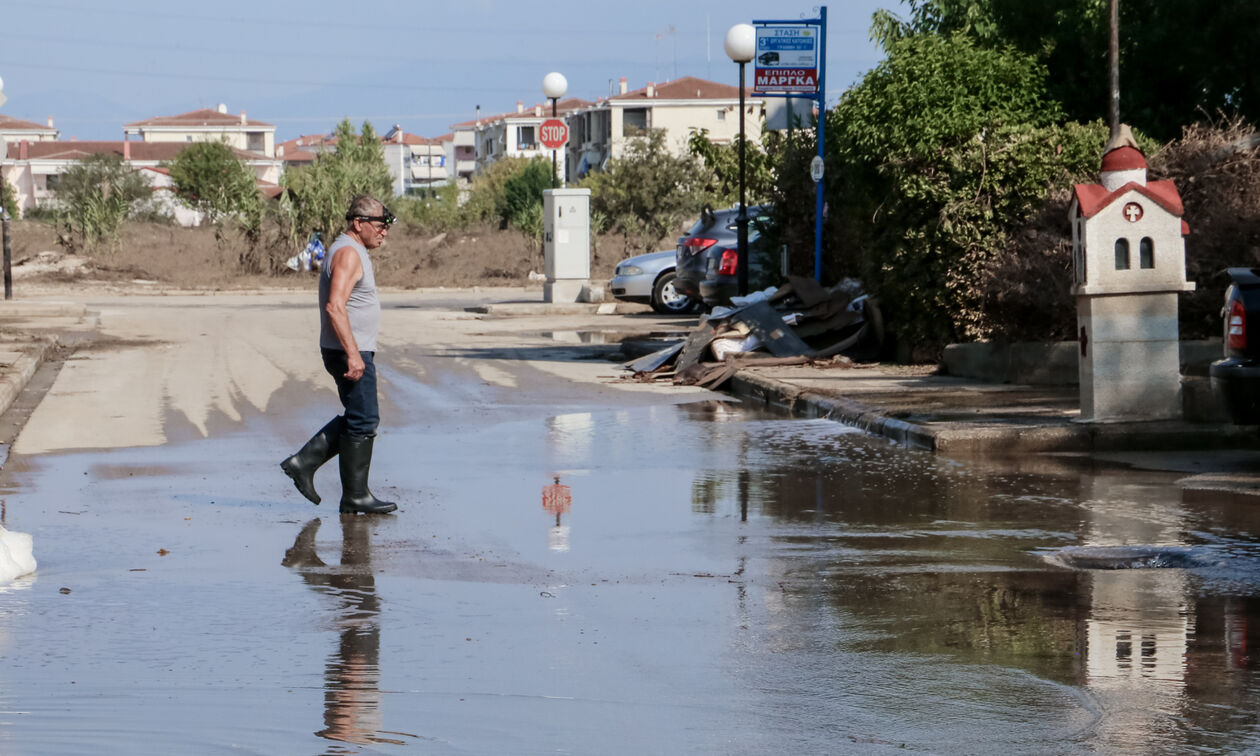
point(142, 151)
point(305, 141)
point(408, 139)
point(8, 123)
point(297, 156)
point(1093, 198)
point(562, 107)
point(686, 88)
point(203, 117)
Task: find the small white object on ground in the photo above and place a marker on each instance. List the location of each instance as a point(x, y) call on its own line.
point(17, 555)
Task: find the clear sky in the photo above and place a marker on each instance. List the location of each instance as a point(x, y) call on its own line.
point(94, 65)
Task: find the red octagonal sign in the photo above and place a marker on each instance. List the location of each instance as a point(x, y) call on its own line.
point(553, 133)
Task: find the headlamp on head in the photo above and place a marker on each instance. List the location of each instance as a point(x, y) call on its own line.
point(385, 217)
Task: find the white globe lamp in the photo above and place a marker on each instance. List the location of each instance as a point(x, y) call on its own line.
point(741, 43)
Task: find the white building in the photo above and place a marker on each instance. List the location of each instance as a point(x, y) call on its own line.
point(17, 130)
point(207, 124)
point(416, 163)
point(510, 135)
point(33, 168)
point(599, 132)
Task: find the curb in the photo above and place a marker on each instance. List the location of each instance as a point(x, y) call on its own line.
point(542, 309)
point(811, 404)
point(14, 379)
point(994, 437)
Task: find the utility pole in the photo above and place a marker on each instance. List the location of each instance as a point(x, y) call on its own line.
point(1113, 109)
point(4, 214)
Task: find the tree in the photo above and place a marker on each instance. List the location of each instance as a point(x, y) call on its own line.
point(211, 179)
point(321, 191)
point(648, 192)
point(723, 161)
point(1181, 61)
point(523, 200)
point(93, 199)
point(934, 156)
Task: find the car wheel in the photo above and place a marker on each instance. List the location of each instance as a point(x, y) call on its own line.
point(667, 300)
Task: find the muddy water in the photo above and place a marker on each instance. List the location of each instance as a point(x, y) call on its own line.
point(692, 578)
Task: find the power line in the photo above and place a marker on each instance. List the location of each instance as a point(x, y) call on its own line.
point(253, 21)
point(392, 86)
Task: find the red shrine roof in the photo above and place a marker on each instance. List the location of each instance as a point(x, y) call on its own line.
point(1093, 198)
point(1123, 159)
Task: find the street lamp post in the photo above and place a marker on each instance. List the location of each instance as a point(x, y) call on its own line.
point(741, 44)
point(4, 219)
point(554, 87)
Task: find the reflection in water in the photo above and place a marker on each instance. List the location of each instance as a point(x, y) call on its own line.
point(1141, 621)
point(879, 549)
point(352, 697)
point(557, 499)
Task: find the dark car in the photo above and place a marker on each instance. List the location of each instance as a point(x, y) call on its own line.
point(768, 58)
point(707, 258)
point(1236, 378)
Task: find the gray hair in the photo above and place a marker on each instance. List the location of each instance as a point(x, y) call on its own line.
point(364, 204)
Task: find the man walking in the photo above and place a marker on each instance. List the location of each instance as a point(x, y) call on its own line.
point(349, 317)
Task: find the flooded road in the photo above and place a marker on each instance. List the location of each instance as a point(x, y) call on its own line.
point(572, 572)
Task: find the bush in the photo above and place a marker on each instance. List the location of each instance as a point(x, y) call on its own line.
point(321, 192)
point(1217, 171)
point(649, 193)
point(93, 198)
point(212, 180)
point(436, 211)
point(931, 159)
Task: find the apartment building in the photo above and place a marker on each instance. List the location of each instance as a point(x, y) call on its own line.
point(32, 170)
point(416, 163)
point(599, 132)
point(239, 132)
point(514, 134)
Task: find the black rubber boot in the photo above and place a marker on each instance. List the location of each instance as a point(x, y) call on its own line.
point(302, 552)
point(322, 447)
point(356, 460)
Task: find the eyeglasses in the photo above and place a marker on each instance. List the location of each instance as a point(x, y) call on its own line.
point(386, 218)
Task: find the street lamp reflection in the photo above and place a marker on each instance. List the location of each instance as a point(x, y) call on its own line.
point(557, 499)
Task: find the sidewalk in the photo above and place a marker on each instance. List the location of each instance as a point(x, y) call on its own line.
point(29, 331)
point(959, 416)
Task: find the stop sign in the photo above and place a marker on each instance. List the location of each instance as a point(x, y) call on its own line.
point(553, 133)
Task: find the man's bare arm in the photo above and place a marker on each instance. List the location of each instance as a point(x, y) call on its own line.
point(346, 272)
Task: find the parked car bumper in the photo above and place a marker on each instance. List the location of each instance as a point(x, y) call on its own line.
point(1236, 383)
point(687, 286)
point(717, 292)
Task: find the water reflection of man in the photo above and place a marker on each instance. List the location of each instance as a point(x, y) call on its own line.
point(352, 697)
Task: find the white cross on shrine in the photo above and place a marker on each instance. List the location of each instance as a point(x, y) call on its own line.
point(1133, 212)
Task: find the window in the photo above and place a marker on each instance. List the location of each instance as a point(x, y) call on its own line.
point(1122, 254)
point(256, 141)
point(1146, 252)
point(52, 181)
point(721, 115)
point(525, 138)
point(634, 122)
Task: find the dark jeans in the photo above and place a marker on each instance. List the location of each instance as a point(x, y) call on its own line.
point(358, 397)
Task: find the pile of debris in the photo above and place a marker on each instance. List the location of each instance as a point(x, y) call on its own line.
point(798, 323)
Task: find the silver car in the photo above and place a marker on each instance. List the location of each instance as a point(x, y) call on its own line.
point(650, 278)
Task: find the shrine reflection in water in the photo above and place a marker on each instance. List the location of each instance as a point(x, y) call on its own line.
point(884, 550)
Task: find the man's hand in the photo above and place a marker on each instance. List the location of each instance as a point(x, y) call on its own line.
point(355, 366)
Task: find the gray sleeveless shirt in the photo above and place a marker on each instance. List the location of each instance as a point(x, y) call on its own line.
point(363, 306)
